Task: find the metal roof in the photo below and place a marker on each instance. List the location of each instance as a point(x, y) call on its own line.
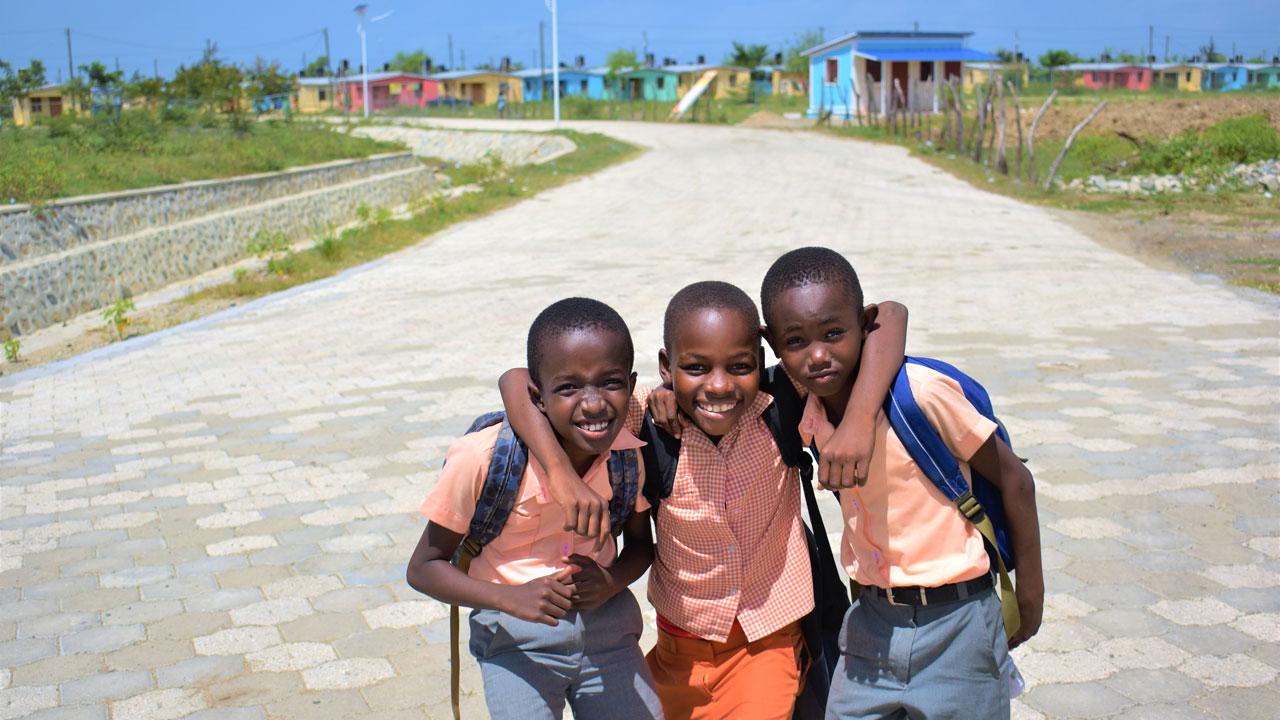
point(535, 72)
point(457, 74)
point(696, 67)
point(930, 54)
point(881, 34)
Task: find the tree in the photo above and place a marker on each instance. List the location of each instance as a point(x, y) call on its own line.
point(267, 79)
point(211, 83)
point(108, 83)
point(141, 87)
point(1210, 53)
point(1006, 55)
point(16, 84)
point(318, 67)
point(748, 56)
point(411, 62)
point(1056, 58)
point(619, 60)
point(795, 62)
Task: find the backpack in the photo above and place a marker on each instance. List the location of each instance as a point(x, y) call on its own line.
point(821, 627)
point(498, 497)
point(981, 503)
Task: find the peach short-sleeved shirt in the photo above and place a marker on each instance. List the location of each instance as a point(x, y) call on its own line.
point(533, 539)
point(899, 529)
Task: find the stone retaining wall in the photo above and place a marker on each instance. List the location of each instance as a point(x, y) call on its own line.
point(458, 146)
point(74, 260)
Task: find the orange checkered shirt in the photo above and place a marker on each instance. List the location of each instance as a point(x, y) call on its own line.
point(730, 545)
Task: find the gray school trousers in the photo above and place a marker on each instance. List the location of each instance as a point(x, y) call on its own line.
point(948, 661)
point(591, 659)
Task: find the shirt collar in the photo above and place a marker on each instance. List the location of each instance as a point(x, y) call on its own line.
point(625, 440)
point(814, 424)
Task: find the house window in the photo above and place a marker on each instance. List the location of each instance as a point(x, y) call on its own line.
point(583, 87)
point(926, 71)
point(733, 80)
point(833, 70)
point(37, 105)
point(661, 82)
point(873, 69)
point(1188, 76)
point(323, 95)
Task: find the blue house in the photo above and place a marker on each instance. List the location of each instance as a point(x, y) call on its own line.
point(574, 82)
point(1225, 76)
point(881, 70)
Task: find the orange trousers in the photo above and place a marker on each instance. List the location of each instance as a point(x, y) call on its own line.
point(733, 680)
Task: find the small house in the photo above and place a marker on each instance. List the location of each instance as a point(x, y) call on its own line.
point(645, 83)
point(388, 89)
point(775, 80)
point(980, 73)
point(728, 79)
point(315, 94)
point(882, 70)
point(1110, 76)
point(1179, 77)
point(1266, 77)
point(577, 81)
point(1225, 76)
point(480, 87)
point(43, 102)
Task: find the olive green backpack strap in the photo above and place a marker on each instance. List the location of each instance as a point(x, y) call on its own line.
point(1008, 600)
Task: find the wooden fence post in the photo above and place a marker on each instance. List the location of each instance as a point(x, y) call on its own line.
point(955, 95)
point(1033, 174)
point(1053, 169)
point(1017, 123)
point(1002, 163)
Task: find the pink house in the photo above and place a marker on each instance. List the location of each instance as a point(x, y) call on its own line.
point(1111, 76)
point(387, 89)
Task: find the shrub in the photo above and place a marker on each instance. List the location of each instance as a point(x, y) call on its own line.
point(12, 346)
point(1236, 140)
point(30, 174)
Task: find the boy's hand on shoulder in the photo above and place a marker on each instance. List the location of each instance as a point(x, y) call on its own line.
point(846, 456)
point(593, 585)
point(666, 414)
point(1031, 609)
point(543, 600)
point(585, 512)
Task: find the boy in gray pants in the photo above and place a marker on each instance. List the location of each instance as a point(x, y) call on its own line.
point(554, 621)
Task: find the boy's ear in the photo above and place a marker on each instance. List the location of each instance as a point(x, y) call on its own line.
point(869, 315)
point(764, 334)
point(535, 397)
point(631, 383)
point(664, 366)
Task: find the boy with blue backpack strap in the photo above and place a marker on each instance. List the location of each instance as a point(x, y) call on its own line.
point(945, 502)
point(554, 622)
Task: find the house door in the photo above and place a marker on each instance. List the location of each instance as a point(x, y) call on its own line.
point(951, 69)
point(901, 80)
point(477, 94)
point(637, 88)
point(55, 107)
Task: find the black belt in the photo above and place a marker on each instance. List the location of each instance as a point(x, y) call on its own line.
point(922, 596)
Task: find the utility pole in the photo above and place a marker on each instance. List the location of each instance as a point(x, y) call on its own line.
point(462, 53)
point(542, 63)
point(71, 66)
point(645, 34)
point(555, 58)
point(451, 51)
point(155, 68)
point(328, 63)
point(1166, 48)
point(1151, 43)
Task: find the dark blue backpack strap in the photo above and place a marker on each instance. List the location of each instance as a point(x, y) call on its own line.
point(922, 442)
point(661, 452)
point(500, 488)
point(624, 480)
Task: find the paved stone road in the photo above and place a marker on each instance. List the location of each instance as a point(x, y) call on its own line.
point(212, 522)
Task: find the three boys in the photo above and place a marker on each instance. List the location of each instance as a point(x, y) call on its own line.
point(731, 575)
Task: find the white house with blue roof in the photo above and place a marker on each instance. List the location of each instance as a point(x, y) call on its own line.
point(881, 70)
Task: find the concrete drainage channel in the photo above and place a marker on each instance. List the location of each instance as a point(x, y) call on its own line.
point(61, 262)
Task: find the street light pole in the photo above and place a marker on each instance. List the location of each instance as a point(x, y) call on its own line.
point(555, 58)
point(361, 9)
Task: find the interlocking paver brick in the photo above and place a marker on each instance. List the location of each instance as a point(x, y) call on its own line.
point(106, 686)
point(239, 469)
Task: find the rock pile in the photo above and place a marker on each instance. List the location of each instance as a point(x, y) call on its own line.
point(1263, 176)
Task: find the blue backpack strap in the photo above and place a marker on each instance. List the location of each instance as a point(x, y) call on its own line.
point(942, 468)
point(624, 480)
point(500, 488)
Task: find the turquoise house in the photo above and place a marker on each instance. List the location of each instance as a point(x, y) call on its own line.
point(1266, 77)
point(865, 71)
point(646, 83)
point(1225, 76)
point(574, 82)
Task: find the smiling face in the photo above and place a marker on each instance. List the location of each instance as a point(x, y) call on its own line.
point(584, 384)
point(817, 334)
point(713, 366)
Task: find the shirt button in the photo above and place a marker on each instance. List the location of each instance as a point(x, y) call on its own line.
point(731, 549)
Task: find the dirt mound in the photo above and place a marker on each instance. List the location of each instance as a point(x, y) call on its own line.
point(1161, 118)
point(767, 119)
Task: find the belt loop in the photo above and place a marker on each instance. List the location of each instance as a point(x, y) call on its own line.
point(888, 593)
point(924, 599)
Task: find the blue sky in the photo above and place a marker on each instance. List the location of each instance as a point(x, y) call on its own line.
point(170, 32)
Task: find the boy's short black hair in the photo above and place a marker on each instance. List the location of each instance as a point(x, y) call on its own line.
point(808, 266)
point(707, 294)
point(568, 315)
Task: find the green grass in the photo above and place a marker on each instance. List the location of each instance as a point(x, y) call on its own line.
point(723, 111)
point(376, 236)
point(78, 155)
point(1260, 261)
